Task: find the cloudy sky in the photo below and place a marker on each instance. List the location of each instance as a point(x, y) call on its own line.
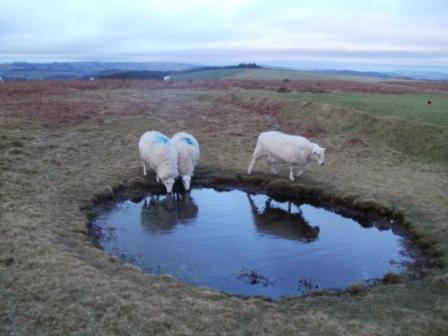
point(368, 34)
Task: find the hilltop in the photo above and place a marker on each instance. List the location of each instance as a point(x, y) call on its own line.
point(183, 71)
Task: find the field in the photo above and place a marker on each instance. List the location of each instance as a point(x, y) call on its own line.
point(64, 143)
point(268, 74)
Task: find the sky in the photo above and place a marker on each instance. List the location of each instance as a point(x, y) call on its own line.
point(309, 34)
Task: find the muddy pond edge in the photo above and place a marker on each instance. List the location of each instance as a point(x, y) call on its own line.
point(429, 256)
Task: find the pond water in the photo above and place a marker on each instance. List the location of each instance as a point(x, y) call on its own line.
point(247, 244)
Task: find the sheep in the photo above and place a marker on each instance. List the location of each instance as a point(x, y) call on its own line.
point(188, 152)
point(166, 78)
point(158, 153)
point(278, 147)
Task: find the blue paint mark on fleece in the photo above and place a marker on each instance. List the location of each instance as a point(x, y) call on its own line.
point(188, 141)
point(161, 139)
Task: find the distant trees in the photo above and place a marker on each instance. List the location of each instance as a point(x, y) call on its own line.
point(249, 66)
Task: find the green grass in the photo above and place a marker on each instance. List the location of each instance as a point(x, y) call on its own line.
point(410, 107)
point(267, 74)
point(209, 74)
point(403, 122)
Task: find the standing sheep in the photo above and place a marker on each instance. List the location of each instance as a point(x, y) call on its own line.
point(278, 147)
point(158, 153)
point(188, 151)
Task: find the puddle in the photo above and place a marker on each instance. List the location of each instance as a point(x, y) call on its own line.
point(248, 244)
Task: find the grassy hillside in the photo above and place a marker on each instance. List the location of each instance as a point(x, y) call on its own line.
point(411, 107)
point(267, 74)
point(404, 123)
point(64, 145)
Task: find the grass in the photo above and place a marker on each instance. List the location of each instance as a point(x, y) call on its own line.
point(409, 107)
point(209, 74)
point(412, 107)
point(54, 281)
point(392, 120)
point(267, 74)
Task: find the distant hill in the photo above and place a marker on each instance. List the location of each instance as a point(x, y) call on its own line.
point(420, 75)
point(181, 71)
point(264, 73)
point(132, 75)
point(269, 73)
point(174, 73)
point(355, 73)
point(80, 70)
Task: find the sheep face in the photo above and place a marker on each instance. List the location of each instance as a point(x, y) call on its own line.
point(168, 183)
point(186, 181)
point(318, 155)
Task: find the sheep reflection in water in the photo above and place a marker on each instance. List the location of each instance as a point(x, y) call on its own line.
point(246, 244)
point(161, 215)
point(283, 224)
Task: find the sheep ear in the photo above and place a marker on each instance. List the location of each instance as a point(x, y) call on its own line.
point(324, 149)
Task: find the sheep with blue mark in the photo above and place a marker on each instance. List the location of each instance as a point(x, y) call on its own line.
point(294, 150)
point(188, 156)
point(158, 153)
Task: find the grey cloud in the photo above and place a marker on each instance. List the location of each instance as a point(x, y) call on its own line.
point(229, 31)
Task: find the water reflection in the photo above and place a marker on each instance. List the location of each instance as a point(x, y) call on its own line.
point(161, 214)
point(281, 223)
point(247, 244)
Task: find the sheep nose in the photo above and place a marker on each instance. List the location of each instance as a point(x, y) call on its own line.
point(323, 163)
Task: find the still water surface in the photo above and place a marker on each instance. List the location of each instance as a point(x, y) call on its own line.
point(247, 244)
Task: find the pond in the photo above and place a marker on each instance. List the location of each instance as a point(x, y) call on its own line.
point(248, 244)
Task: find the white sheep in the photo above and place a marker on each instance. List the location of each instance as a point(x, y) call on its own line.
point(158, 153)
point(188, 151)
point(278, 147)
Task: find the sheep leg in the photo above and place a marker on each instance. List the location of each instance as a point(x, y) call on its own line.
point(249, 170)
point(144, 168)
point(272, 167)
point(255, 157)
point(291, 174)
point(300, 172)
